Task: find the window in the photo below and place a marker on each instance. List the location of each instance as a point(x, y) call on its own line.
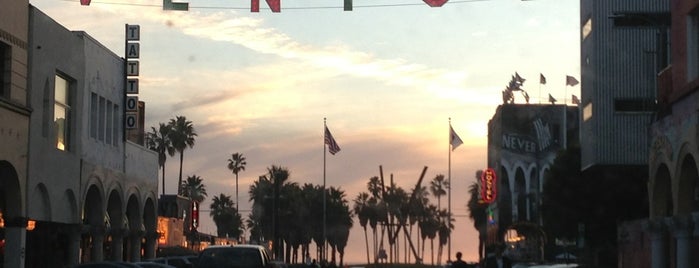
point(115, 128)
point(61, 112)
point(634, 105)
point(110, 122)
point(587, 112)
point(693, 46)
point(587, 29)
point(4, 70)
point(102, 114)
point(94, 119)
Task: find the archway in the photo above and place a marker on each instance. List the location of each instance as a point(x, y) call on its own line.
point(93, 219)
point(520, 195)
point(687, 191)
point(534, 195)
point(661, 203)
point(132, 244)
point(504, 203)
point(11, 220)
point(113, 244)
point(150, 222)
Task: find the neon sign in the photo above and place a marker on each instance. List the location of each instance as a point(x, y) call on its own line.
point(488, 186)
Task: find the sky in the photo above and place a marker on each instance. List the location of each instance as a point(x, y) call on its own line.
point(388, 77)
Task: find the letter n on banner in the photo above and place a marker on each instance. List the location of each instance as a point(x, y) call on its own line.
point(274, 5)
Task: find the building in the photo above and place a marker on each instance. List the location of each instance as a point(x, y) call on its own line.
point(523, 140)
point(673, 186)
point(14, 130)
point(92, 193)
point(622, 50)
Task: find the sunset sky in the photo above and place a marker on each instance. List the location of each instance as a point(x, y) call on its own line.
point(387, 76)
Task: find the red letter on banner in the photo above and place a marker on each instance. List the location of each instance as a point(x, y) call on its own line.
point(85, 2)
point(435, 3)
point(274, 5)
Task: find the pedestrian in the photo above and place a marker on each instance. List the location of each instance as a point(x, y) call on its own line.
point(314, 264)
point(496, 259)
point(458, 263)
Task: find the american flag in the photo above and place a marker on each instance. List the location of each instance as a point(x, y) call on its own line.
point(333, 148)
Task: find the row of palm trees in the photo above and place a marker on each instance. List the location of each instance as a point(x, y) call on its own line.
point(390, 210)
point(169, 138)
point(291, 215)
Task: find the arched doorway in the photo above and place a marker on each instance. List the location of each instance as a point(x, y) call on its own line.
point(12, 222)
point(150, 222)
point(520, 195)
point(113, 244)
point(132, 244)
point(661, 203)
point(94, 231)
point(687, 191)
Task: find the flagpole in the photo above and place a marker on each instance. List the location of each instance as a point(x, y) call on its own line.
point(449, 198)
point(325, 127)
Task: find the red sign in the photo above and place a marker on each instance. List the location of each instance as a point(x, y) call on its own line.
point(435, 3)
point(274, 5)
point(489, 188)
point(195, 215)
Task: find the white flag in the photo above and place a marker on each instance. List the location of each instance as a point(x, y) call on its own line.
point(454, 139)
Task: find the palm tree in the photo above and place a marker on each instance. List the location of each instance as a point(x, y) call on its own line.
point(159, 141)
point(477, 213)
point(182, 135)
point(194, 188)
point(228, 221)
point(438, 187)
point(444, 231)
point(236, 164)
point(361, 209)
point(339, 222)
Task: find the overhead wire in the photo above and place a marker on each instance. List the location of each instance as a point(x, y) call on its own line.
point(283, 8)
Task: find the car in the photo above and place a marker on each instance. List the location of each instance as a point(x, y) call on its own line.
point(177, 261)
point(145, 264)
point(238, 256)
point(107, 264)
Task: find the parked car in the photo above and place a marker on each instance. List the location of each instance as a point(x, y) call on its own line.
point(107, 264)
point(177, 261)
point(238, 256)
point(145, 264)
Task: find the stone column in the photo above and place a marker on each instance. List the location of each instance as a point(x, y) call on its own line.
point(74, 235)
point(15, 242)
point(117, 244)
point(135, 245)
point(681, 229)
point(151, 243)
point(656, 229)
point(97, 250)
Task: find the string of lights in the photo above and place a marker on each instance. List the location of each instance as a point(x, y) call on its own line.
point(416, 3)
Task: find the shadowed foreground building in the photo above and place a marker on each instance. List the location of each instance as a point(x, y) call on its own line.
point(91, 192)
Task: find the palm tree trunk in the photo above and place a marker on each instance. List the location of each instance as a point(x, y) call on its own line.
point(179, 181)
point(236, 192)
point(432, 249)
point(366, 240)
point(163, 166)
